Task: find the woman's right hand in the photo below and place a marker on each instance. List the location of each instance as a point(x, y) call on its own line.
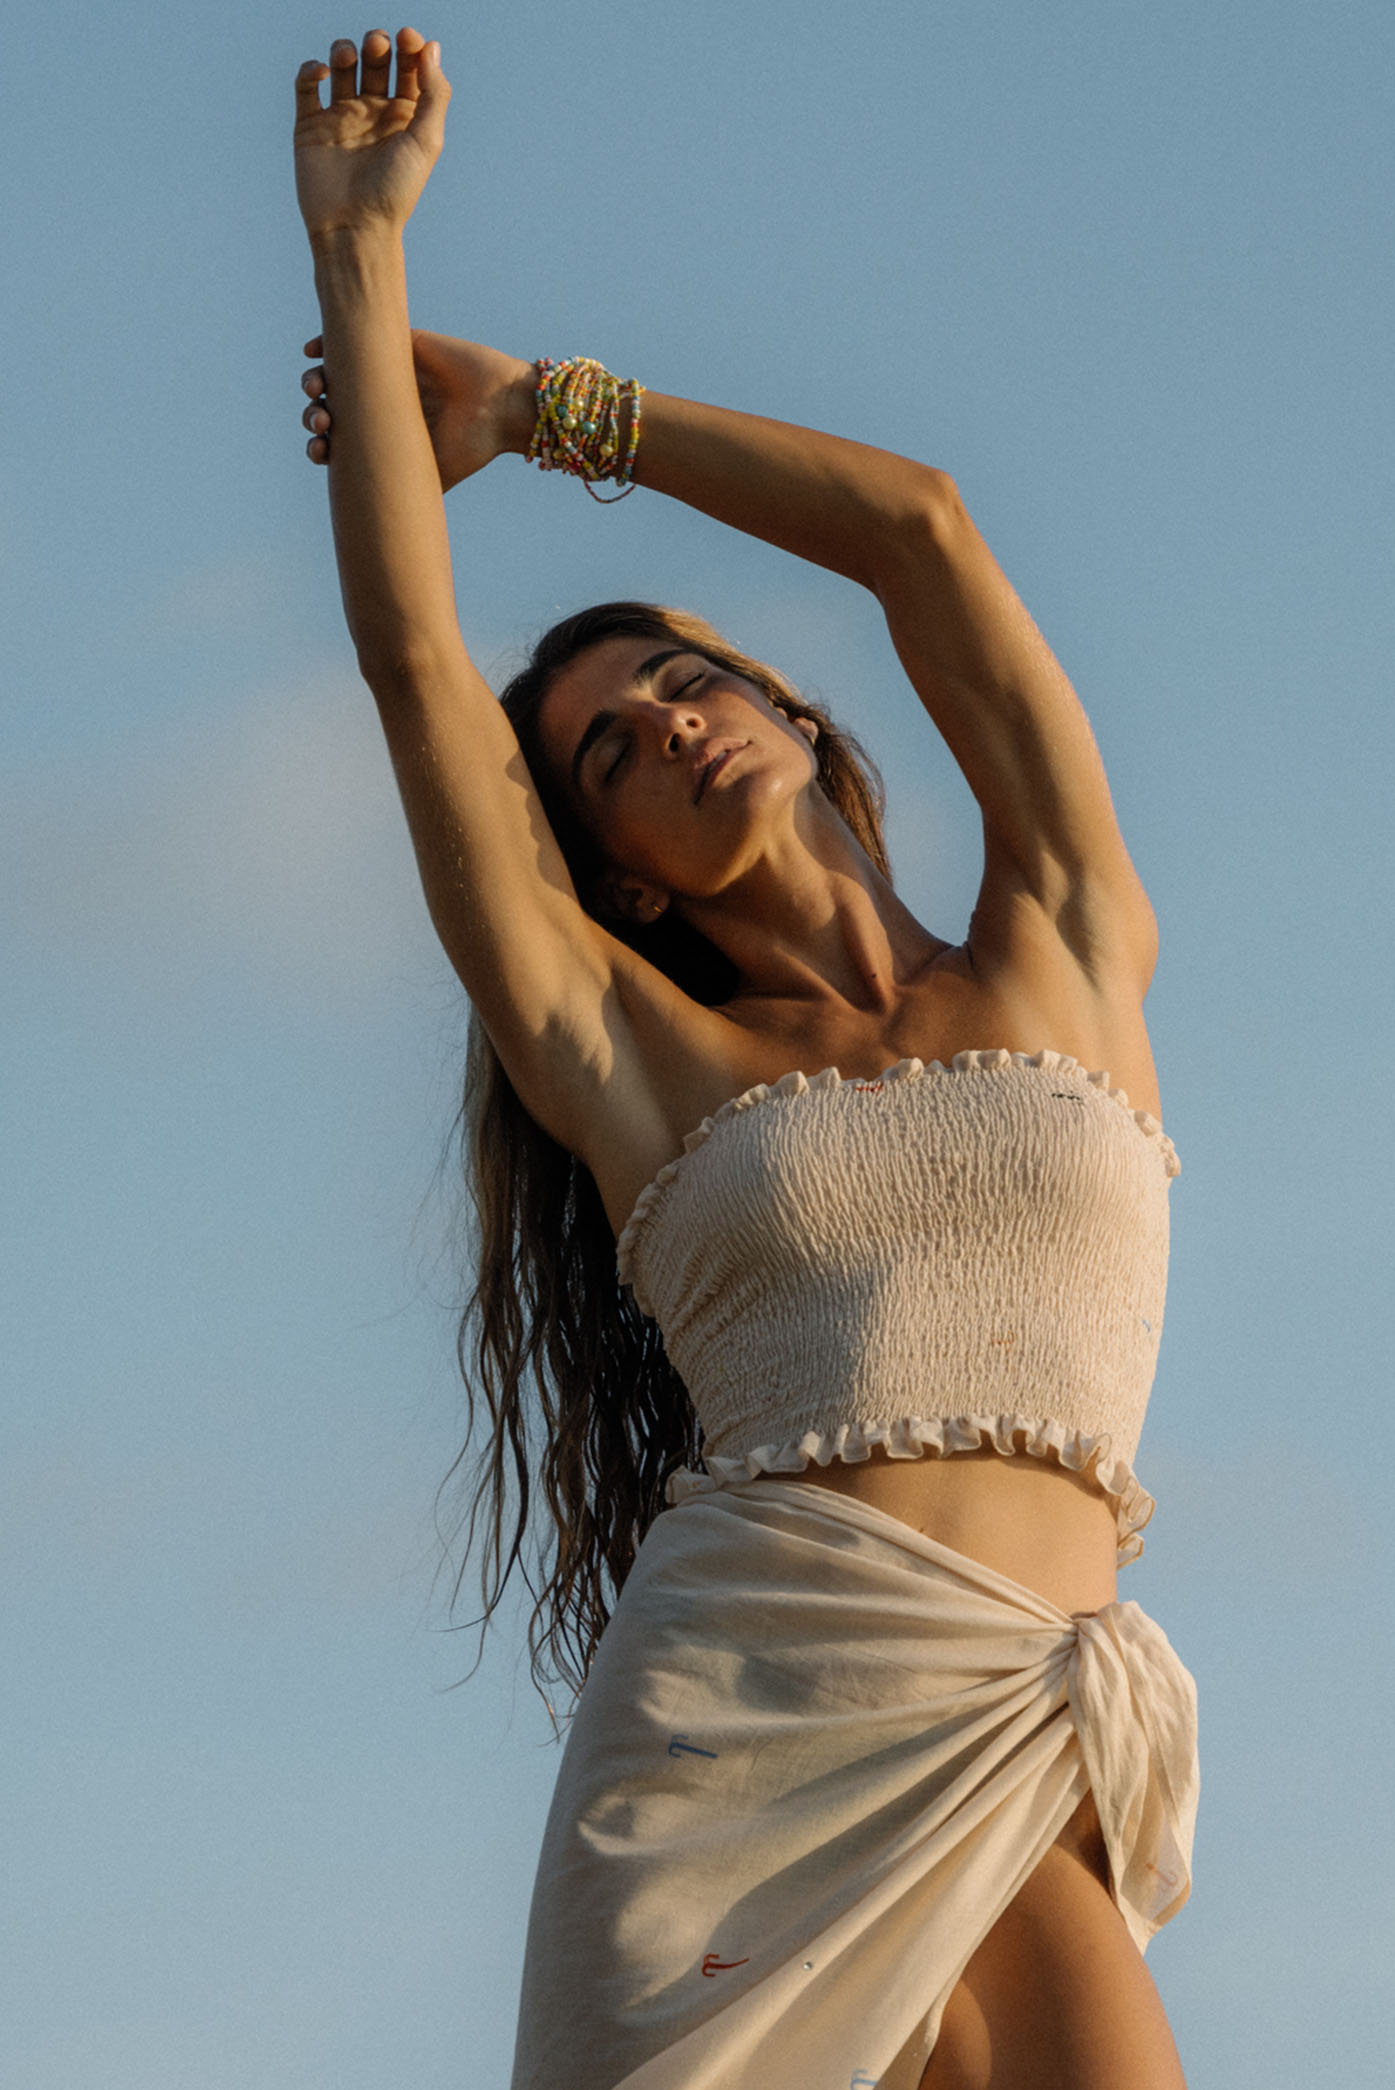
point(477, 403)
point(363, 161)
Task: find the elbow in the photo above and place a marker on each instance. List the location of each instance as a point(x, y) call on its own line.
point(924, 522)
point(389, 670)
point(399, 663)
point(934, 510)
point(382, 643)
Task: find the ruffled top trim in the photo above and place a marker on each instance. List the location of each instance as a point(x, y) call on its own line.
point(799, 1084)
point(939, 1436)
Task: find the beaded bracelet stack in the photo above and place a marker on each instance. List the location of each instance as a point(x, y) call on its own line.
point(578, 424)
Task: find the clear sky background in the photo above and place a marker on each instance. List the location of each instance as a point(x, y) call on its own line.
point(1125, 272)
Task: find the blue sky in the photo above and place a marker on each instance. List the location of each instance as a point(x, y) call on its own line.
point(1125, 273)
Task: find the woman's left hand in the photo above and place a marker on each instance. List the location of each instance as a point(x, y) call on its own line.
point(363, 161)
point(476, 403)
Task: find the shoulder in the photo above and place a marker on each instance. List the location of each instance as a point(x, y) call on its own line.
point(624, 1098)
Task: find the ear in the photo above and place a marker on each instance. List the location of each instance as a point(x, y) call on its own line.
point(808, 727)
point(629, 900)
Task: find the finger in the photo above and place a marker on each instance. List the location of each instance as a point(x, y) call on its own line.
point(410, 45)
point(307, 86)
point(315, 347)
point(317, 420)
point(343, 70)
point(313, 384)
point(434, 97)
point(317, 450)
point(377, 62)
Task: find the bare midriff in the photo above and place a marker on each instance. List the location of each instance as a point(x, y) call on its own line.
point(1031, 1519)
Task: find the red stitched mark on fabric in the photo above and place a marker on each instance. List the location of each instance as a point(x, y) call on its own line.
point(713, 1965)
point(869, 1088)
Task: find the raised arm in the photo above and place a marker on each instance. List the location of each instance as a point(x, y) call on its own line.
point(1055, 864)
point(1057, 874)
point(535, 965)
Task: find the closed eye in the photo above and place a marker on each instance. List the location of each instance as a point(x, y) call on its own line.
point(670, 696)
point(615, 767)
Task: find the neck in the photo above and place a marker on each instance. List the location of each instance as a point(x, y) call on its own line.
point(814, 920)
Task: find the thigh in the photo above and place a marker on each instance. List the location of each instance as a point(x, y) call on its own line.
point(1057, 1997)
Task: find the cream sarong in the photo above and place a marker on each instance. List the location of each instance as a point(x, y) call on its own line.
point(816, 1757)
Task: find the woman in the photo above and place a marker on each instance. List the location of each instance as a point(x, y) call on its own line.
point(873, 1779)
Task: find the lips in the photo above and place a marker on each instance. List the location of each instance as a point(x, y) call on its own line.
point(710, 766)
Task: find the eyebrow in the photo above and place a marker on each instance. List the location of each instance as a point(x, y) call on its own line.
point(604, 720)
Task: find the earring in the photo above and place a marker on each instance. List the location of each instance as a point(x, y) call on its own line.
point(637, 906)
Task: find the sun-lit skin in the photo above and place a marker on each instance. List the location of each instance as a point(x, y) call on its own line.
point(703, 795)
point(833, 970)
point(693, 774)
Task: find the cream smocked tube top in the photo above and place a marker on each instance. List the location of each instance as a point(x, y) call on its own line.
point(940, 1260)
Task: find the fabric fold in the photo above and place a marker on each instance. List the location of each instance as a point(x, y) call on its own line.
point(939, 1436)
point(816, 1757)
point(1135, 1714)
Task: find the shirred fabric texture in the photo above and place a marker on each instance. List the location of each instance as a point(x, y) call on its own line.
point(815, 1758)
point(943, 1258)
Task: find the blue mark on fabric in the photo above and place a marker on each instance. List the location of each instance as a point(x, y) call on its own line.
point(863, 2081)
point(1146, 1322)
point(681, 1746)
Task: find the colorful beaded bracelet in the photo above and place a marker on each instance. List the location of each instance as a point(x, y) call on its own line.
point(578, 424)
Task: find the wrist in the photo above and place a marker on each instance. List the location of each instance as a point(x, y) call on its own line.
point(517, 411)
point(354, 240)
point(358, 267)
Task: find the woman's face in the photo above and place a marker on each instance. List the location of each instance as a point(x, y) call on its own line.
point(679, 768)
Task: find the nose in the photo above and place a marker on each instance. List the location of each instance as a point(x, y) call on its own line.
point(682, 732)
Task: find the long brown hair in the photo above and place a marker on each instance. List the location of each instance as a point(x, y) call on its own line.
point(585, 1410)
